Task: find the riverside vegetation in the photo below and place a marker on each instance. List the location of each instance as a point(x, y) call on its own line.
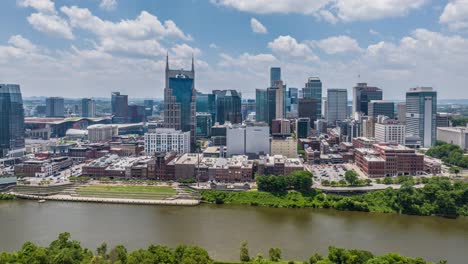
point(439, 196)
point(66, 251)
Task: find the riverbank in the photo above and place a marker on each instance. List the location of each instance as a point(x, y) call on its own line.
point(65, 250)
point(438, 197)
point(69, 198)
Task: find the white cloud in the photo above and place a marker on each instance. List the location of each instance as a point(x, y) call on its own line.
point(257, 27)
point(351, 10)
point(289, 47)
point(331, 11)
point(20, 42)
point(328, 16)
point(185, 51)
point(276, 6)
point(45, 6)
point(145, 25)
point(213, 46)
point(108, 4)
point(51, 24)
point(455, 15)
point(46, 19)
point(339, 44)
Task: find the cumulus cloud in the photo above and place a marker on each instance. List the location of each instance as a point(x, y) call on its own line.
point(288, 46)
point(338, 44)
point(47, 19)
point(257, 27)
point(455, 15)
point(144, 26)
point(268, 6)
point(51, 24)
point(108, 4)
point(329, 10)
point(351, 10)
point(45, 6)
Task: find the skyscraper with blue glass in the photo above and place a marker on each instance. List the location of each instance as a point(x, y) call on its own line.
point(180, 99)
point(11, 121)
point(275, 75)
point(313, 89)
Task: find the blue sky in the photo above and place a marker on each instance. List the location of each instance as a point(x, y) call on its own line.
point(92, 47)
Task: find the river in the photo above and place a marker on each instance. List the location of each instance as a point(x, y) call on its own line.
point(221, 228)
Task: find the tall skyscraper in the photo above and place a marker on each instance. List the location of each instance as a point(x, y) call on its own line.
point(228, 106)
point(88, 107)
point(11, 121)
point(180, 100)
point(362, 95)
point(271, 105)
point(119, 104)
point(280, 111)
point(308, 108)
point(401, 108)
point(261, 105)
point(55, 107)
point(136, 113)
point(337, 100)
point(275, 75)
point(379, 107)
point(149, 104)
point(421, 112)
point(313, 89)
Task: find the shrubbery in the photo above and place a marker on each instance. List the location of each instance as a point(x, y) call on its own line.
point(438, 197)
point(66, 251)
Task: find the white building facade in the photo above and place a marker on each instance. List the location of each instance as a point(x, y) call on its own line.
point(390, 133)
point(167, 140)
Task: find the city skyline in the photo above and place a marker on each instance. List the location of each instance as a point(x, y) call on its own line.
point(94, 48)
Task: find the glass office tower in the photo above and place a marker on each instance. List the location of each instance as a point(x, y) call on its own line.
point(11, 121)
point(313, 89)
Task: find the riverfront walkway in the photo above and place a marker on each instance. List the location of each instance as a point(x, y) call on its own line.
point(69, 198)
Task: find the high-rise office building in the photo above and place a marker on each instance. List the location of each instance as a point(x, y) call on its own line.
point(421, 111)
point(313, 89)
point(292, 103)
point(303, 127)
point(247, 107)
point(55, 107)
point(390, 132)
point(204, 124)
point(275, 75)
point(401, 108)
point(206, 103)
point(308, 108)
point(261, 106)
point(228, 106)
point(11, 121)
point(337, 100)
point(149, 104)
point(280, 109)
point(136, 113)
point(88, 107)
point(271, 105)
point(180, 100)
point(362, 95)
point(119, 105)
point(379, 107)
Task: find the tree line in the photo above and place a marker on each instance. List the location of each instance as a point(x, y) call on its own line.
point(449, 153)
point(439, 196)
point(66, 251)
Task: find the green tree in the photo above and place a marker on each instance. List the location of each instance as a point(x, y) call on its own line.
point(118, 254)
point(351, 177)
point(102, 250)
point(274, 254)
point(244, 252)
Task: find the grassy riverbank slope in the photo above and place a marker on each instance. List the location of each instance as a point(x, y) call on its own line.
point(438, 197)
point(64, 250)
point(127, 191)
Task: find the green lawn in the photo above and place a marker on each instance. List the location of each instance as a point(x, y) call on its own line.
point(127, 191)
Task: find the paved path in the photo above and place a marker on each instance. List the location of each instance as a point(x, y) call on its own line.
point(68, 198)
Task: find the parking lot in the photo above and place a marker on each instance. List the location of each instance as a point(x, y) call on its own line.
point(327, 172)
